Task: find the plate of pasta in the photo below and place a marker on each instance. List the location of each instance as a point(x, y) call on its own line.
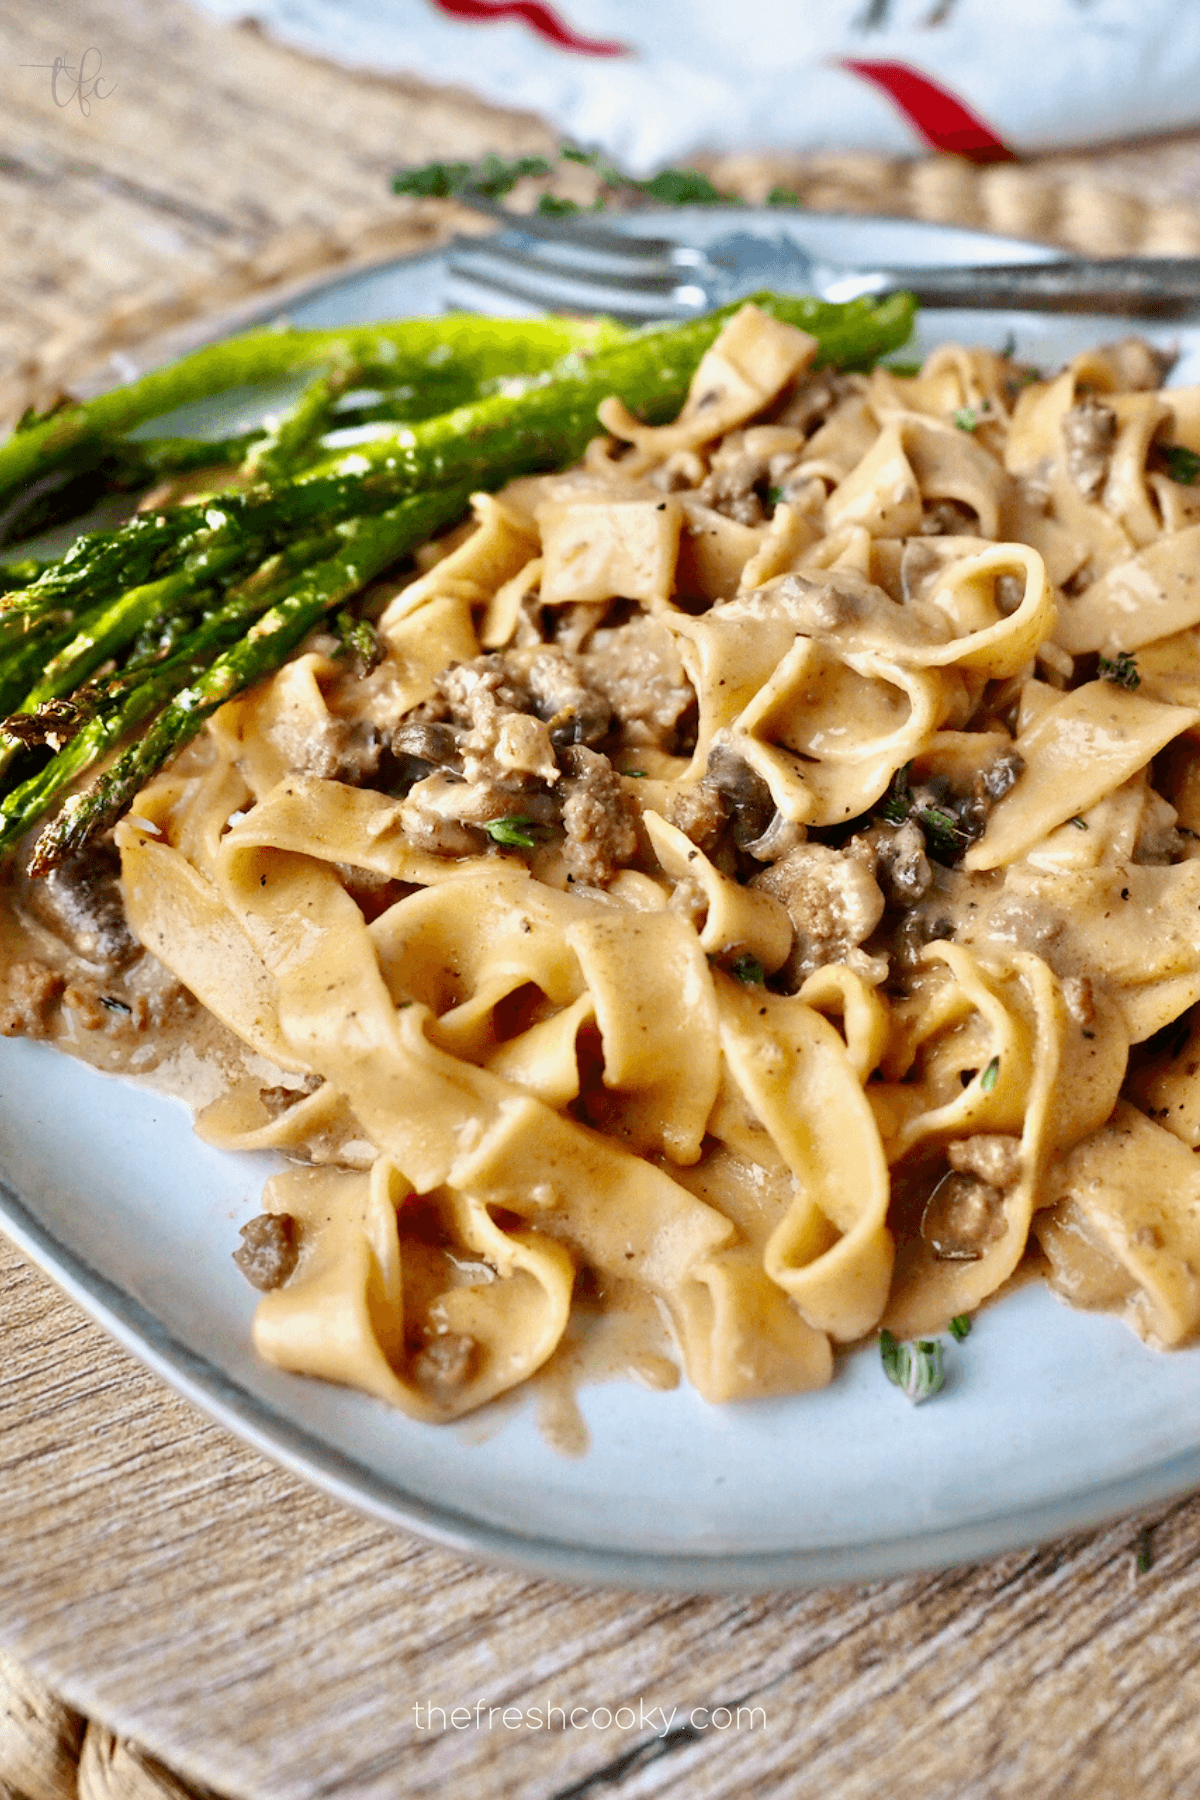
point(666, 867)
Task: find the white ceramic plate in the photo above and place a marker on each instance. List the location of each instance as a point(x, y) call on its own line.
point(1050, 1419)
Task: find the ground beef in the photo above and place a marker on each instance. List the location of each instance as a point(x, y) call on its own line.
point(834, 903)
point(279, 1100)
point(269, 1250)
point(730, 489)
point(96, 1010)
point(31, 994)
point(598, 818)
point(963, 1217)
point(810, 404)
point(446, 1363)
point(573, 712)
point(895, 856)
point(701, 813)
point(636, 668)
point(1089, 431)
point(994, 1157)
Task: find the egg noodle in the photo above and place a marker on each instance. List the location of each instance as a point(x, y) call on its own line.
point(799, 823)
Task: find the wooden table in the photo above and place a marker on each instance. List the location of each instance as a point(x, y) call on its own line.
point(251, 1632)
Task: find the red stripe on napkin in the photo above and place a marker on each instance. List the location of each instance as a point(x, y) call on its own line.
point(941, 120)
point(543, 19)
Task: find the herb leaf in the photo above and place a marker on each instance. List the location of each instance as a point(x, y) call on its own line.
point(783, 196)
point(987, 1080)
point(916, 1369)
point(749, 970)
point(966, 418)
point(513, 831)
point(1182, 465)
point(960, 1327)
point(897, 802)
point(1121, 668)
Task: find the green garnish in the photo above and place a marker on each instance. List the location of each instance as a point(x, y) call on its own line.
point(1181, 464)
point(749, 970)
point(960, 1327)
point(897, 802)
point(1144, 1550)
point(906, 370)
point(966, 418)
point(916, 1369)
point(1080, 824)
point(775, 496)
point(987, 1080)
point(945, 836)
point(513, 831)
point(492, 177)
point(1121, 669)
point(635, 774)
point(681, 187)
point(783, 196)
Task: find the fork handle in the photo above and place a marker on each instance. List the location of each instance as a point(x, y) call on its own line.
point(1151, 285)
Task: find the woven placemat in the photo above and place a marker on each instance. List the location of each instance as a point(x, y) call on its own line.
point(222, 167)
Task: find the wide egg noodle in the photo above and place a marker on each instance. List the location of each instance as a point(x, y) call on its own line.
point(347, 1314)
point(832, 1252)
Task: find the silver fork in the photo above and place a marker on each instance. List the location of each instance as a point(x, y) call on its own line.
point(542, 264)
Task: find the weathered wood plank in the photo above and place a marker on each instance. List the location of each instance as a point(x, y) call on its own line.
point(264, 1639)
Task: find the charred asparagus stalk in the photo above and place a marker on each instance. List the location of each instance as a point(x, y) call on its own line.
point(369, 546)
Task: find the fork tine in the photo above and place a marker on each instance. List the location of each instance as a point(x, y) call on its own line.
point(511, 261)
point(482, 277)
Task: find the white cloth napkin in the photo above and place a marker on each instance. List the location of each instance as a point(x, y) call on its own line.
point(652, 81)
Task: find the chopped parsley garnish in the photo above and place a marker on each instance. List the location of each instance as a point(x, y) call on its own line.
point(635, 774)
point(960, 1327)
point(1080, 824)
point(1008, 348)
point(966, 418)
point(513, 831)
point(1181, 464)
point(775, 496)
point(550, 206)
point(749, 970)
point(906, 370)
point(680, 187)
point(987, 1080)
point(783, 196)
point(916, 1369)
point(944, 834)
point(492, 178)
point(1121, 668)
point(1144, 1550)
point(897, 802)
